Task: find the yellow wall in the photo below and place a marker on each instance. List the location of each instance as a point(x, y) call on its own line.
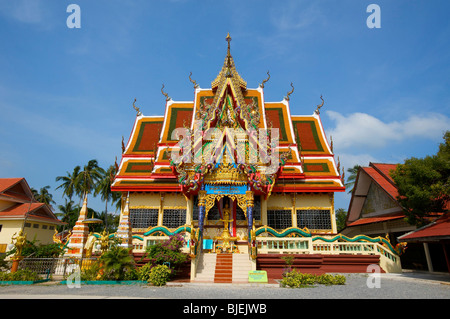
point(10, 227)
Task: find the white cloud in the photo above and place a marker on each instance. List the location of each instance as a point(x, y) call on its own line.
point(365, 130)
point(27, 11)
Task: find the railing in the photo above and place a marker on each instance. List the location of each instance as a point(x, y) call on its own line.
point(298, 245)
point(270, 245)
point(344, 248)
point(55, 266)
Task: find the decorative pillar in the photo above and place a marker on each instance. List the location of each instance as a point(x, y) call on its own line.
point(125, 231)
point(189, 210)
point(294, 211)
point(80, 233)
point(201, 210)
point(161, 209)
point(250, 202)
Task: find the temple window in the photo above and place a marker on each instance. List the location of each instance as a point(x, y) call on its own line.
point(279, 218)
point(314, 218)
point(143, 217)
point(173, 218)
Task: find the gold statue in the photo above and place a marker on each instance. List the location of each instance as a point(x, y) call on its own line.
point(226, 237)
point(104, 241)
point(20, 239)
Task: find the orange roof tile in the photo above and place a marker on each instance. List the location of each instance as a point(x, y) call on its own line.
point(439, 228)
point(371, 220)
point(382, 180)
point(6, 183)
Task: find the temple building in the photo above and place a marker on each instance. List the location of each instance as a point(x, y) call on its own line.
point(226, 170)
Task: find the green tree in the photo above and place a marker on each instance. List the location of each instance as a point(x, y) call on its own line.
point(341, 217)
point(69, 182)
point(103, 188)
point(69, 213)
point(424, 184)
point(352, 177)
point(88, 178)
point(44, 196)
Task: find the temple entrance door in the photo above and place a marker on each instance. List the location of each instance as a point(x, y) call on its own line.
point(225, 225)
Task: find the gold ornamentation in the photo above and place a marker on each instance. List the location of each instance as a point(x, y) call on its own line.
point(138, 112)
point(289, 93)
point(19, 243)
point(193, 81)
point(264, 81)
point(319, 106)
point(168, 98)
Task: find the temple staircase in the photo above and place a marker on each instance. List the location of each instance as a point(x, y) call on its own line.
point(223, 268)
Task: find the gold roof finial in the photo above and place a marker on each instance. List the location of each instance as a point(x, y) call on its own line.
point(138, 112)
point(193, 81)
point(289, 93)
point(168, 98)
point(264, 81)
point(228, 70)
point(319, 106)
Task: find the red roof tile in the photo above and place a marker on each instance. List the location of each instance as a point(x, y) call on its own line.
point(20, 209)
point(6, 183)
point(439, 228)
point(383, 180)
point(370, 220)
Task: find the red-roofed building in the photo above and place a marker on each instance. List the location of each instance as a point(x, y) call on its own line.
point(20, 211)
point(435, 233)
point(375, 211)
point(373, 208)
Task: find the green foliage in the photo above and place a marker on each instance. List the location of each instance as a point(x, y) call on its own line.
point(144, 272)
point(424, 184)
point(31, 249)
point(4, 265)
point(91, 272)
point(117, 263)
point(296, 279)
point(159, 275)
point(19, 275)
point(169, 251)
point(352, 177)
point(288, 259)
point(341, 217)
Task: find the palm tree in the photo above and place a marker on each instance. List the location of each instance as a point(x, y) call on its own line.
point(44, 196)
point(352, 178)
point(117, 261)
point(88, 177)
point(69, 183)
point(69, 213)
point(104, 188)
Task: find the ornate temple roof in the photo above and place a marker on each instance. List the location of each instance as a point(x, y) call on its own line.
point(308, 163)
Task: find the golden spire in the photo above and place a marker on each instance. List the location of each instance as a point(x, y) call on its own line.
point(228, 69)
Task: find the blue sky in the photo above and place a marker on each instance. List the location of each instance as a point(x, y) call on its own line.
point(66, 94)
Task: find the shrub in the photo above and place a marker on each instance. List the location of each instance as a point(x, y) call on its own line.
point(160, 275)
point(117, 263)
point(296, 279)
point(168, 251)
point(144, 272)
point(19, 275)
